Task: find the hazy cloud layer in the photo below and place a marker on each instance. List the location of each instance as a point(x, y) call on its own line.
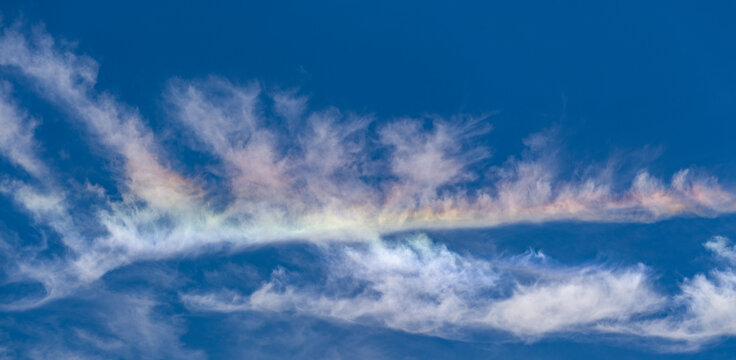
point(113, 325)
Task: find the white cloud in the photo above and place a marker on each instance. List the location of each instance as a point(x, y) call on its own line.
point(721, 246)
point(704, 310)
point(325, 176)
point(68, 80)
point(421, 287)
point(575, 301)
point(16, 135)
point(329, 176)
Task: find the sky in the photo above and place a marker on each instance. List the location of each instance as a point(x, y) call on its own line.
point(377, 180)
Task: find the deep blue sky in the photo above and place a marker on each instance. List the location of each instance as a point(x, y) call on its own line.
point(642, 85)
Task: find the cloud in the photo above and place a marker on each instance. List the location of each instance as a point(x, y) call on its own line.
point(417, 286)
point(112, 325)
point(577, 301)
point(285, 172)
point(703, 310)
point(421, 287)
point(68, 80)
point(16, 135)
point(331, 173)
point(721, 246)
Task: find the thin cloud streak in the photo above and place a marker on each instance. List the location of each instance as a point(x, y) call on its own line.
point(16, 135)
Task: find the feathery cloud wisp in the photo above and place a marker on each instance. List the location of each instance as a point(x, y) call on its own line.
point(284, 172)
point(327, 176)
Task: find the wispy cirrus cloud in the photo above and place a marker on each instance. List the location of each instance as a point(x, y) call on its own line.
point(112, 325)
point(16, 135)
point(702, 312)
point(294, 174)
point(286, 172)
point(417, 286)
